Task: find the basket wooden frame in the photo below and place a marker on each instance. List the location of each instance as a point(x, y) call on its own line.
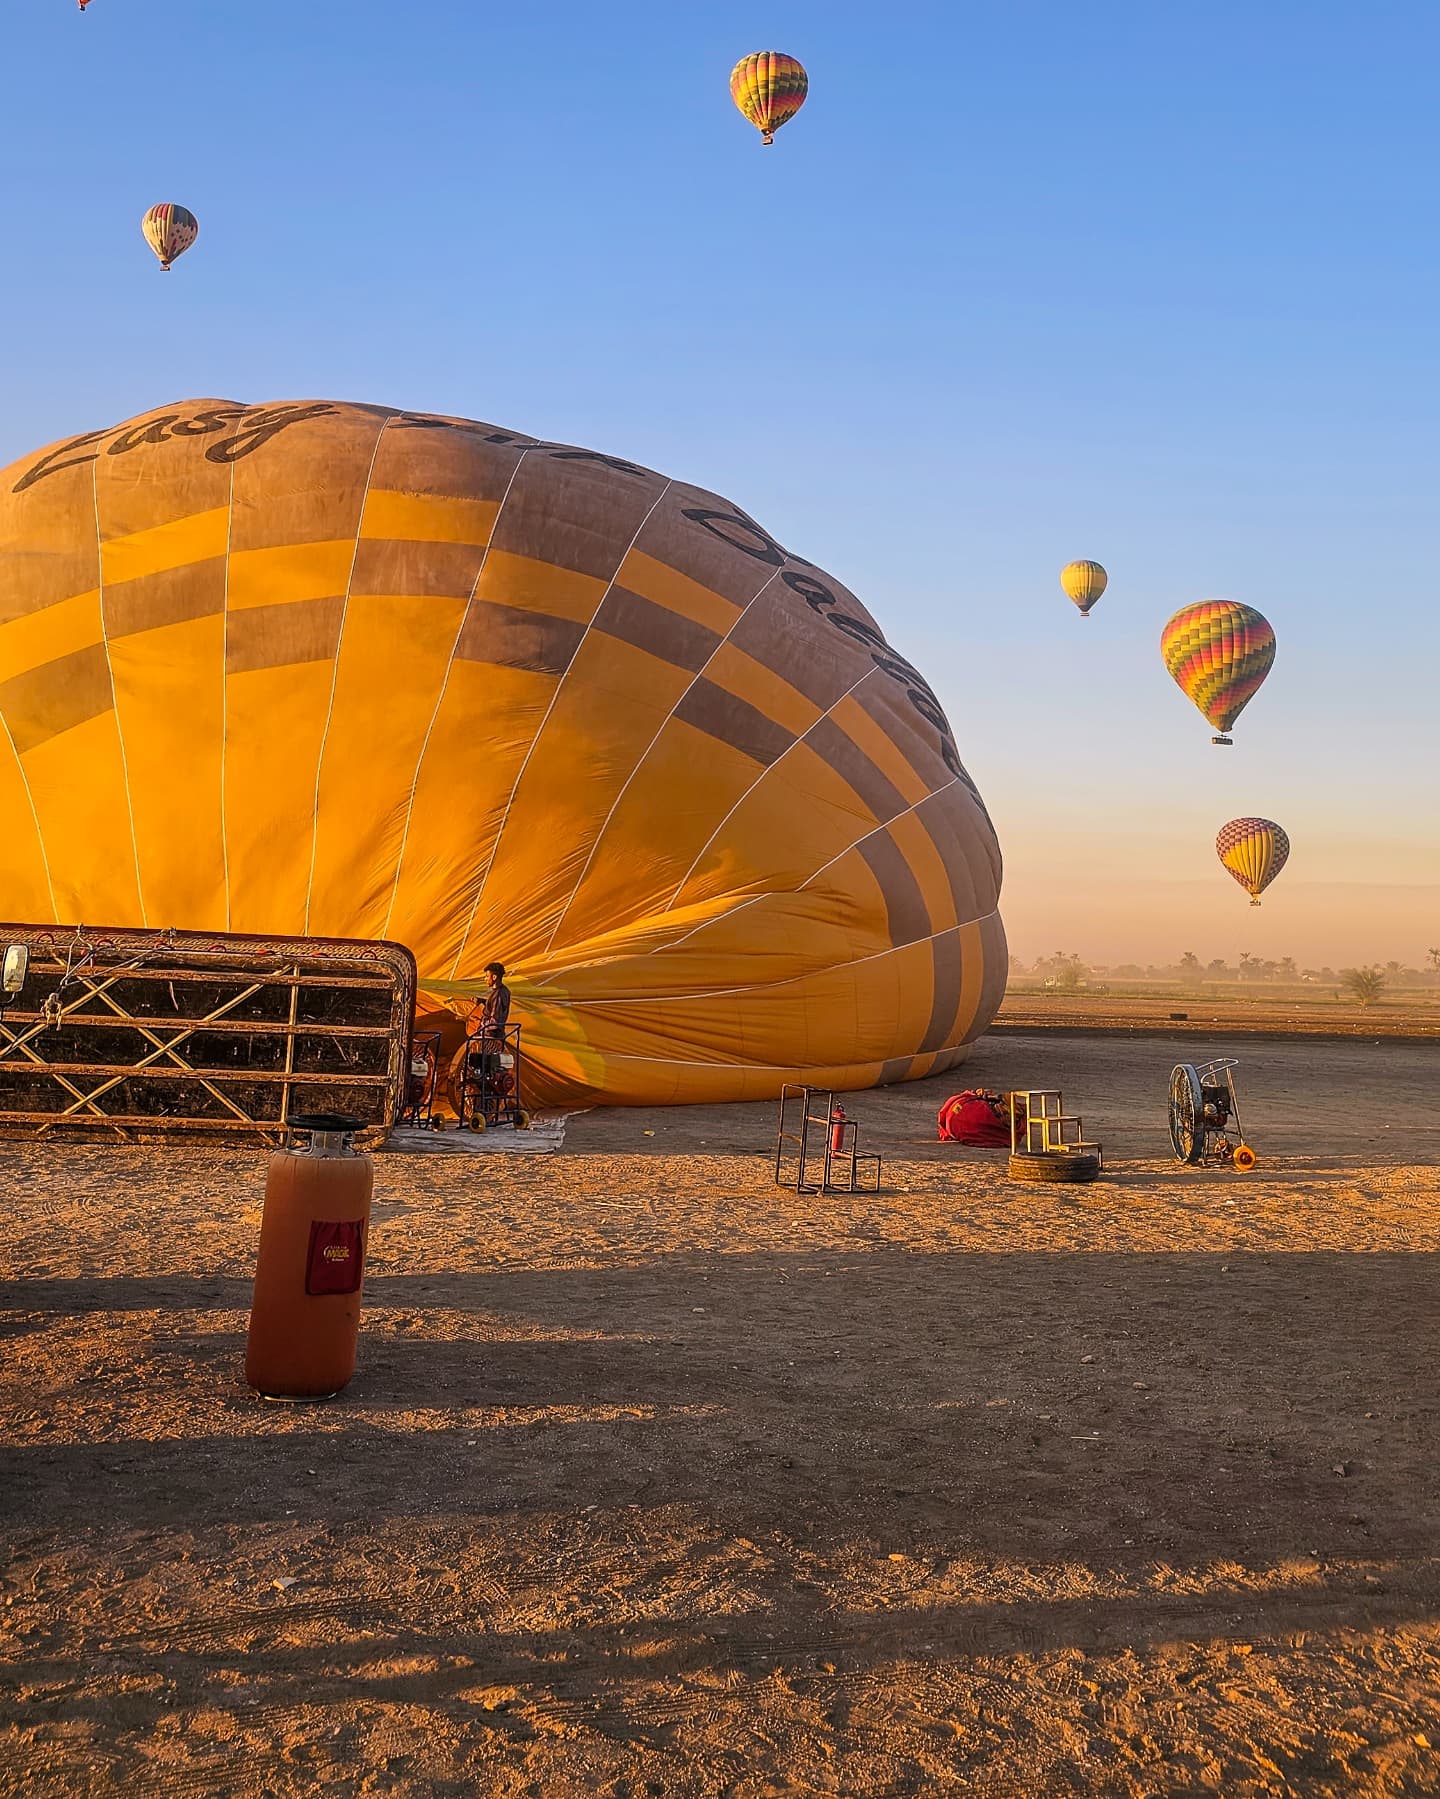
point(140, 1034)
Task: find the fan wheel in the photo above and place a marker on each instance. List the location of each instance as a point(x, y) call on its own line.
point(1187, 1114)
point(1053, 1167)
point(1244, 1157)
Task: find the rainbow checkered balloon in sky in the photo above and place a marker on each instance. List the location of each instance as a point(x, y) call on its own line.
point(1218, 652)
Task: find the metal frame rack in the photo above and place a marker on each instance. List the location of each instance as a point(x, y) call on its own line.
point(422, 1088)
point(798, 1142)
point(137, 1034)
point(1045, 1116)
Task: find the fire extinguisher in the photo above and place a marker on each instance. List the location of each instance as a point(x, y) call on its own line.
point(837, 1130)
point(305, 1314)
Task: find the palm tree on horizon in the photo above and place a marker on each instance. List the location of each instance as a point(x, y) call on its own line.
point(1365, 984)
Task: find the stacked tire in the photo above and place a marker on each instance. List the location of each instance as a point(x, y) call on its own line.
point(1054, 1167)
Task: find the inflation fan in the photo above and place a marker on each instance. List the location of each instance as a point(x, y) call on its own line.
point(1205, 1114)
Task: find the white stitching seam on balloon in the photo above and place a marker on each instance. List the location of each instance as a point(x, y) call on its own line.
point(549, 711)
point(39, 839)
point(335, 665)
point(445, 686)
point(736, 622)
point(700, 854)
point(789, 980)
point(225, 696)
point(114, 697)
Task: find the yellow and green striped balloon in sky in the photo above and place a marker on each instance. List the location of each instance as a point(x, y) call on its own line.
point(1218, 651)
point(344, 670)
point(1083, 582)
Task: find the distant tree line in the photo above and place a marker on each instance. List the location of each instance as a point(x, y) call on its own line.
point(1066, 972)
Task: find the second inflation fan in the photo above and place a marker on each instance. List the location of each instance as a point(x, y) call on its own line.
point(1205, 1115)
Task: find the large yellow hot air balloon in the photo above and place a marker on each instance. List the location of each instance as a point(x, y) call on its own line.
point(769, 88)
point(1218, 653)
point(1083, 582)
point(1254, 850)
point(342, 670)
point(169, 231)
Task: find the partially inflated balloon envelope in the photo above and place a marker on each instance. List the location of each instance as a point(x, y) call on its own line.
point(342, 670)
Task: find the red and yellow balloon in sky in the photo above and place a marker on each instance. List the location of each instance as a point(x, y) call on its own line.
point(769, 87)
point(1218, 652)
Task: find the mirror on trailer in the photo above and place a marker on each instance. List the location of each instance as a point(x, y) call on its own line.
point(16, 967)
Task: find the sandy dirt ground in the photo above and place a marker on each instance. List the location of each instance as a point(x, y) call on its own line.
point(658, 1480)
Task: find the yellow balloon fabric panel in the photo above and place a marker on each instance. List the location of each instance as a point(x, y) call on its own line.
point(342, 670)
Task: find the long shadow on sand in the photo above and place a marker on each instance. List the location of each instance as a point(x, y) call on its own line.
point(1264, 1405)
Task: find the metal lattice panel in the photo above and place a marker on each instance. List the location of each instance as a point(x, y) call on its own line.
point(147, 1033)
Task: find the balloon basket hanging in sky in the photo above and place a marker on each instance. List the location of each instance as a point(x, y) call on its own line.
point(335, 670)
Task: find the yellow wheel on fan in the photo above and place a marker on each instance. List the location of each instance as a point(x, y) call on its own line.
point(1244, 1157)
point(477, 1123)
point(522, 1121)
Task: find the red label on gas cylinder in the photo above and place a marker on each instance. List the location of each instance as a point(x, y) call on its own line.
point(337, 1256)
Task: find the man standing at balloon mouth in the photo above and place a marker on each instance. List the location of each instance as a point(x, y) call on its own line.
point(495, 1008)
point(484, 1044)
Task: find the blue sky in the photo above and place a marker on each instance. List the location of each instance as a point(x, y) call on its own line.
point(1024, 281)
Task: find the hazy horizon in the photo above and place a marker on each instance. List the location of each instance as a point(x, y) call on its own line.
point(1185, 919)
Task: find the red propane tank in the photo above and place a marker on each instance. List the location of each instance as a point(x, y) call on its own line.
point(305, 1315)
point(837, 1130)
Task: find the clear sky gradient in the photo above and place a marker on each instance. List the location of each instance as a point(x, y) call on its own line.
point(1025, 281)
